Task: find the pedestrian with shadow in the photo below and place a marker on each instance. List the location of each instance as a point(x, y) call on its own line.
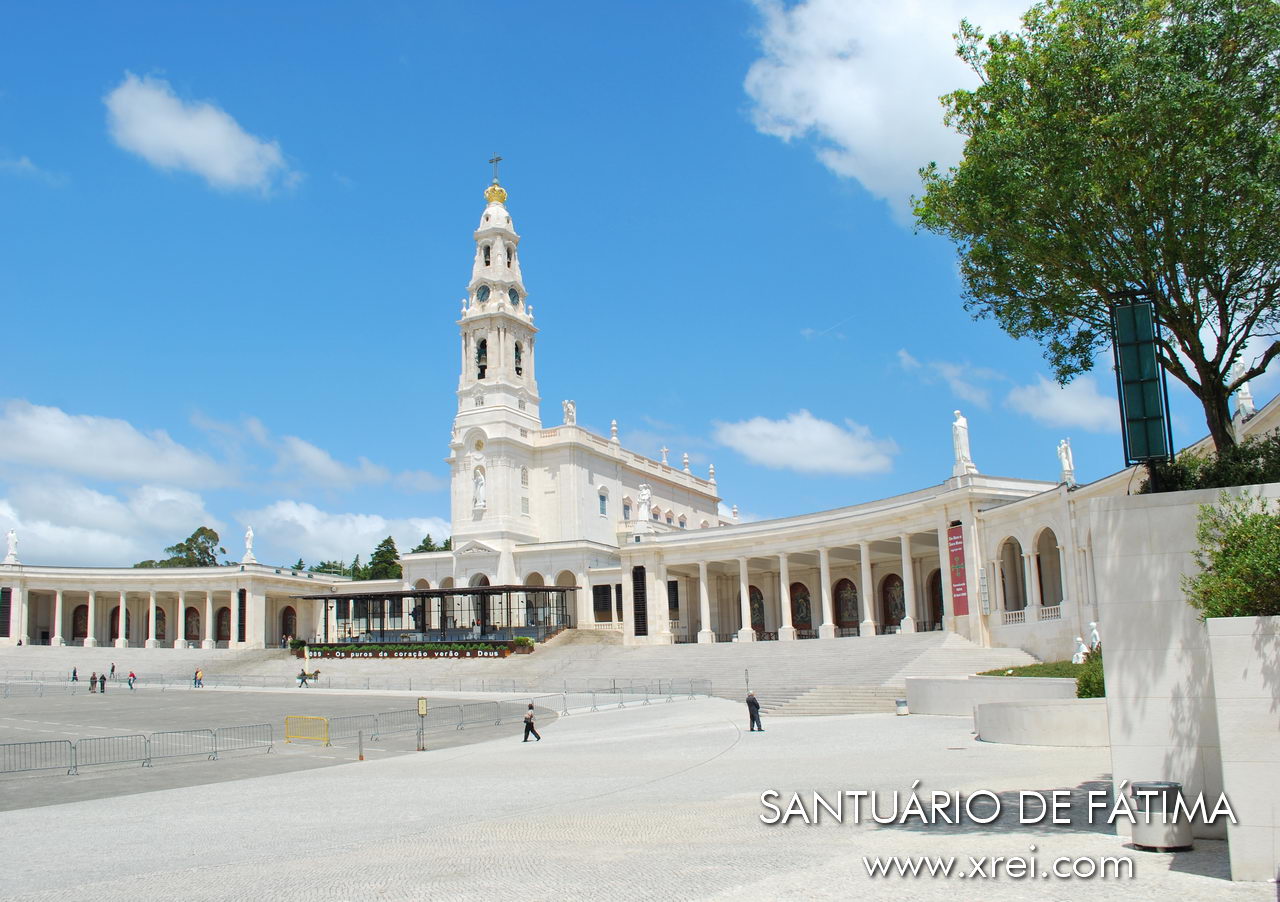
point(302, 680)
point(753, 709)
point(528, 725)
point(102, 684)
point(93, 682)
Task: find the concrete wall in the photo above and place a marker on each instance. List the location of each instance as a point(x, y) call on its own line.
point(1246, 682)
point(1161, 712)
point(1063, 722)
point(958, 695)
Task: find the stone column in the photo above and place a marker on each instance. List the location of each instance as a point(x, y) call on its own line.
point(21, 602)
point(1033, 583)
point(908, 586)
point(746, 633)
point(235, 618)
point(787, 632)
point(664, 634)
point(208, 641)
point(57, 619)
point(122, 637)
point(866, 593)
point(828, 628)
point(944, 574)
point(151, 641)
point(705, 633)
point(91, 630)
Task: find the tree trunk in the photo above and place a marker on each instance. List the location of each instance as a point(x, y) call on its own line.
point(1217, 413)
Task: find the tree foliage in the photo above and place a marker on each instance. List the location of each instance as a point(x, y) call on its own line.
point(384, 563)
point(1118, 149)
point(200, 549)
point(427, 544)
point(1091, 682)
point(1255, 460)
point(1239, 559)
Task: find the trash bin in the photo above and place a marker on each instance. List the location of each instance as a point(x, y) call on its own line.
point(901, 704)
point(1158, 824)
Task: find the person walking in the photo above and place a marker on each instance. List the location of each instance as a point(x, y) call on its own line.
point(132, 676)
point(528, 725)
point(753, 709)
point(93, 681)
point(102, 684)
point(75, 677)
point(302, 680)
point(195, 679)
point(199, 679)
point(113, 670)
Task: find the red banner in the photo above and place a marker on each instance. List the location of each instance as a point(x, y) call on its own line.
point(959, 580)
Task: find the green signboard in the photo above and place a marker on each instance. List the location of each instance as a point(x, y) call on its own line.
point(1144, 401)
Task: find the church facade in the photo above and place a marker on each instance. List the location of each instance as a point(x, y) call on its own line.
point(639, 543)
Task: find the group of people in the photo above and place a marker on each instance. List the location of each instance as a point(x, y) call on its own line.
point(285, 640)
point(98, 681)
point(197, 679)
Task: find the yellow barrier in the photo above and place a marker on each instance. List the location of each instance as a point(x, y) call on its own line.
point(305, 726)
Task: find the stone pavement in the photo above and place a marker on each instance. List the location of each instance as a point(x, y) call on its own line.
point(656, 802)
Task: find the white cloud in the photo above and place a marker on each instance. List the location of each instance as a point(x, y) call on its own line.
point(64, 523)
point(1079, 403)
point(22, 166)
point(862, 78)
point(50, 438)
point(806, 444)
point(145, 117)
point(299, 458)
point(320, 535)
point(963, 379)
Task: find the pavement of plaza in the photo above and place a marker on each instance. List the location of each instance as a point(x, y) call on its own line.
point(652, 802)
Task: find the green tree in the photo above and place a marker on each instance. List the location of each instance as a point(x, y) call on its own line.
point(357, 569)
point(448, 544)
point(200, 549)
point(427, 544)
point(300, 565)
point(337, 568)
point(1118, 149)
point(385, 561)
point(1239, 559)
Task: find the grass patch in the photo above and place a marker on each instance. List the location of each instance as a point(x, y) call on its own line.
point(1061, 669)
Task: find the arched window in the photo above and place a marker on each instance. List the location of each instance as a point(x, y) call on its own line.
point(511, 255)
point(604, 503)
point(846, 598)
point(655, 514)
point(192, 631)
point(683, 522)
point(1013, 584)
point(224, 625)
point(524, 477)
point(80, 622)
point(626, 508)
point(1049, 569)
point(486, 255)
point(801, 609)
point(482, 357)
point(671, 518)
point(519, 359)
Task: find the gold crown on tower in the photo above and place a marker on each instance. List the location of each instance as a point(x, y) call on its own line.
point(495, 193)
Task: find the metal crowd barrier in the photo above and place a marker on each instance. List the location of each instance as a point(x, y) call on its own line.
point(16, 757)
point(183, 743)
point(349, 725)
point(250, 736)
point(112, 750)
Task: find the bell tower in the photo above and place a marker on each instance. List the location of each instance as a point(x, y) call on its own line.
point(497, 332)
point(491, 451)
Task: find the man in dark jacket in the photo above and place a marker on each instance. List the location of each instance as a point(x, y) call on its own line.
point(753, 708)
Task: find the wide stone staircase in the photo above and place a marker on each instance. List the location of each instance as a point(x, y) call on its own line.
point(835, 676)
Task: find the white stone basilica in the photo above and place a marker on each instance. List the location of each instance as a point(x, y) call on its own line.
point(639, 543)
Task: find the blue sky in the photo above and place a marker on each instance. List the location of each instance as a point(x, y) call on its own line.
point(235, 238)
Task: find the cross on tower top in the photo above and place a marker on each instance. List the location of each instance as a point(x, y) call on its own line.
point(495, 160)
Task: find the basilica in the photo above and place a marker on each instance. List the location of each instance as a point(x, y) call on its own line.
point(555, 527)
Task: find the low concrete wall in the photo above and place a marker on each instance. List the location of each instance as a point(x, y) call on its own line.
point(1067, 722)
point(958, 695)
point(1246, 683)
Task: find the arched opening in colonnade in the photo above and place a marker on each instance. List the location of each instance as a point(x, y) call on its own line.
point(933, 605)
point(115, 623)
point(801, 607)
point(80, 622)
point(1049, 569)
point(224, 625)
point(893, 605)
point(479, 603)
point(1013, 583)
point(755, 599)
point(162, 623)
point(289, 622)
point(191, 630)
point(845, 594)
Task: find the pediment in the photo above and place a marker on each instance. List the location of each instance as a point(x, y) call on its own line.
point(475, 548)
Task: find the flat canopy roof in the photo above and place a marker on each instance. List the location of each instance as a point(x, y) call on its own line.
point(436, 593)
